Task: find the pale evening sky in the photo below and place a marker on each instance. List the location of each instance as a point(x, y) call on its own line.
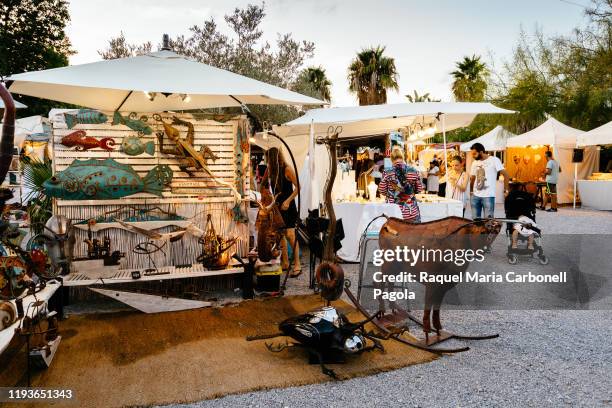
point(424, 37)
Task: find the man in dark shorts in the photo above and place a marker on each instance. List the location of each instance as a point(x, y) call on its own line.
point(552, 177)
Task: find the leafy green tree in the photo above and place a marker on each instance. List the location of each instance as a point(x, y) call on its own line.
point(415, 97)
point(470, 79)
point(242, 52)
point(371, 74)
point(118, 47)
point(313, 81)
point(32, 38)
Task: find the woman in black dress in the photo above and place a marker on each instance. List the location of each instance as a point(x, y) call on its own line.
point(283, 181)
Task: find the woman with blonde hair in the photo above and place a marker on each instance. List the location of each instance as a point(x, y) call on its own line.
point(400, 184)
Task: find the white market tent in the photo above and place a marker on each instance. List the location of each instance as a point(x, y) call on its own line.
point(598, 136)
point(562, 140)
point(155, 82)
point(596, 194)
point(493, 141)
point(365, 121)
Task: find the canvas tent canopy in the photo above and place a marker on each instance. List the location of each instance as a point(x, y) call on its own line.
point(598, 136)
point(562, 141)
point(493, 141)
point(364, 121)
point(155, 82)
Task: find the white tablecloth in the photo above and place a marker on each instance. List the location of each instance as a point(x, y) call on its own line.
point(356, 216)
point(596, 194)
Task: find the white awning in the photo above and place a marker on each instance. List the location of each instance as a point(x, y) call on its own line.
point(551, 133)
point(598, 136)
point(174, 82)
point(379, 119)
point(493, 141)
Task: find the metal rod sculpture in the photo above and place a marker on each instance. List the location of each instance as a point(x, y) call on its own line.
point(329, 274)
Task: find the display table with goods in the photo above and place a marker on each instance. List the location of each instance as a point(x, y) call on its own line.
point(356, 215)
point(596, 192)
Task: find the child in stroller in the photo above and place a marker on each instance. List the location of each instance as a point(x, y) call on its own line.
point(524, 236)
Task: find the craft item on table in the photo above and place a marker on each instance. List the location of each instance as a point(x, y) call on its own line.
point(372, 188)
point(84, 142)
point(84, 116)
point(526, 159)
point(8, 314)
point(134, 146)
point(14, 279)
point(537, 158)
point(105, 179)
point(215, 248)
point(130, 121)
point(171, 236)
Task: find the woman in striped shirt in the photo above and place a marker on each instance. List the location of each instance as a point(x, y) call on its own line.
point(400, 184)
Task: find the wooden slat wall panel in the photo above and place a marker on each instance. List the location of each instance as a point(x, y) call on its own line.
point(189, 198)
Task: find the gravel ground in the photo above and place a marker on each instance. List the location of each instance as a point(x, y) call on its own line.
point(543, 358)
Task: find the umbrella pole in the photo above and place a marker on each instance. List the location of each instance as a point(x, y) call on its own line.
point(444, 139)
point(123, 101)
point(575, 182)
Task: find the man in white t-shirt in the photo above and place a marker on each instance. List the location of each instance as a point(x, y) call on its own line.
point(483, 179)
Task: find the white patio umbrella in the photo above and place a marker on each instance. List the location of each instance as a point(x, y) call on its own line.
point(159, 81)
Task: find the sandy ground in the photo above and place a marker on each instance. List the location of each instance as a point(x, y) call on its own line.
point(543, 358)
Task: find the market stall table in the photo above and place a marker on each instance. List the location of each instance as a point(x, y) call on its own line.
point(356, 216)
point(595, 194)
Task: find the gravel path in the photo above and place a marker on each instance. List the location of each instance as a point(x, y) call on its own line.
point(543, 358)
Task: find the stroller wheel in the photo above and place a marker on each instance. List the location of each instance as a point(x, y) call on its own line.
point(513, 259)
point(544, 260)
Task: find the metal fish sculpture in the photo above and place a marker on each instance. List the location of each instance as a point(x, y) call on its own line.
point(134, 124)
point(87, 116)
point(83, 142)
point(105, 179)
point(134, 146)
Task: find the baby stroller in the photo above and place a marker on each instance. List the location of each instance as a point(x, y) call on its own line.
point(521, 203)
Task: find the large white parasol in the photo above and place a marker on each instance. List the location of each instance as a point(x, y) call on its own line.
point(159, 81)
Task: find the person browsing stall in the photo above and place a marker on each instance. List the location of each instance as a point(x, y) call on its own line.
point(552, 177)
point(283, 181)
point(457, 182)
point(399, 186)
point(433, 177)
point(483, 178)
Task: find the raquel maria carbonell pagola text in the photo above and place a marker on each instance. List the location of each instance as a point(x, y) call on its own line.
point(464, 277)
point(402, 257)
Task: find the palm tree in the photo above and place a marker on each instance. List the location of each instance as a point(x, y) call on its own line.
point(316, 79)
point(420, 98)
point(371, 74)
point(470, 79)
